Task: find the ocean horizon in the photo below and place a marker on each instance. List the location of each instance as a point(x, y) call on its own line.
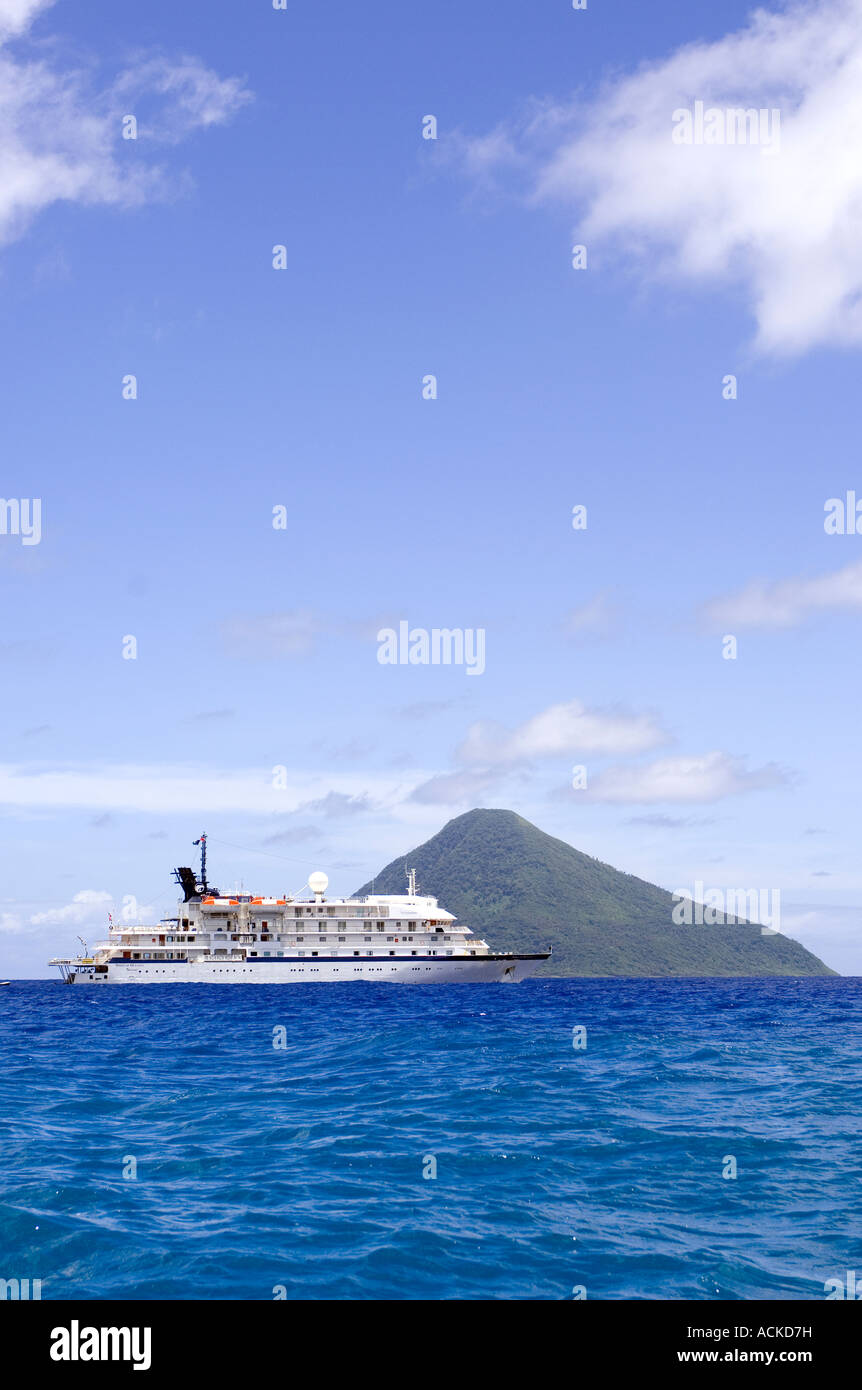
point(558, 1139)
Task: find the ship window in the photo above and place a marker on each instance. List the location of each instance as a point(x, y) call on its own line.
point(300, 938)
point(314, 953)
point(411, 926)
point(265, 925)
point(356, 953)
point(392, 953)
point(300, 953)
point(342, 938)
point(380, 926)
point(342, 926)
point(366, 938)
point(412, 953)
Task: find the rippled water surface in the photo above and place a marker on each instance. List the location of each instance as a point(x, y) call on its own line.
point(302, 1166)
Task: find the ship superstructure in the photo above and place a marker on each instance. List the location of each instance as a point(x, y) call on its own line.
point(239, 938)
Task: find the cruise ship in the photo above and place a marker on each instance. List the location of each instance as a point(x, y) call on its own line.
point(220, 938)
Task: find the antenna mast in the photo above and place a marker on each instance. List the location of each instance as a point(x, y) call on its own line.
point(203, 844)
point(411, 882)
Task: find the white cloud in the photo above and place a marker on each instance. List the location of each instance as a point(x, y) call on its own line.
point(10, 921)
point(17, 15)
point(267, 635)
point(453, 789)
point(181, 790)
point(61, 139)
point(133, 911)
point(708, 777)
point(337, 804)
point(294, 632)
point(596, 618)
point(788, 602)
point(177, 97)
point(85, 907)
point(560, 730)
point(786, 224)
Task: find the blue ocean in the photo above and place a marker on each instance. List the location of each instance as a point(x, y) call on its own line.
point(551, 1140)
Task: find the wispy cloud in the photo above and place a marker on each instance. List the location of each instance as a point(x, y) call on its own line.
point(788, 602)
point(337, 804)
point(17, 15)
point(210, 716)
point(427, 709)
point(292, 632)
point(453, 789)
point(658, 821)
point(299, 835)
point(598, 617)
point(703, 778)
point(174, 790)
point(267, 635)
point(85, 907)
point(90, 908)
point(61, 137)
point(173, 98)
point(786, 225)
point(560, 730)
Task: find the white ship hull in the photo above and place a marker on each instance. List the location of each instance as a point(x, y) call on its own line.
point(409, 970)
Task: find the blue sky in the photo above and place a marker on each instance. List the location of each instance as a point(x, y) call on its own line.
point(257, 387)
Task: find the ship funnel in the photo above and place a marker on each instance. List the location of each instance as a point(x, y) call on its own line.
point(187, 880)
